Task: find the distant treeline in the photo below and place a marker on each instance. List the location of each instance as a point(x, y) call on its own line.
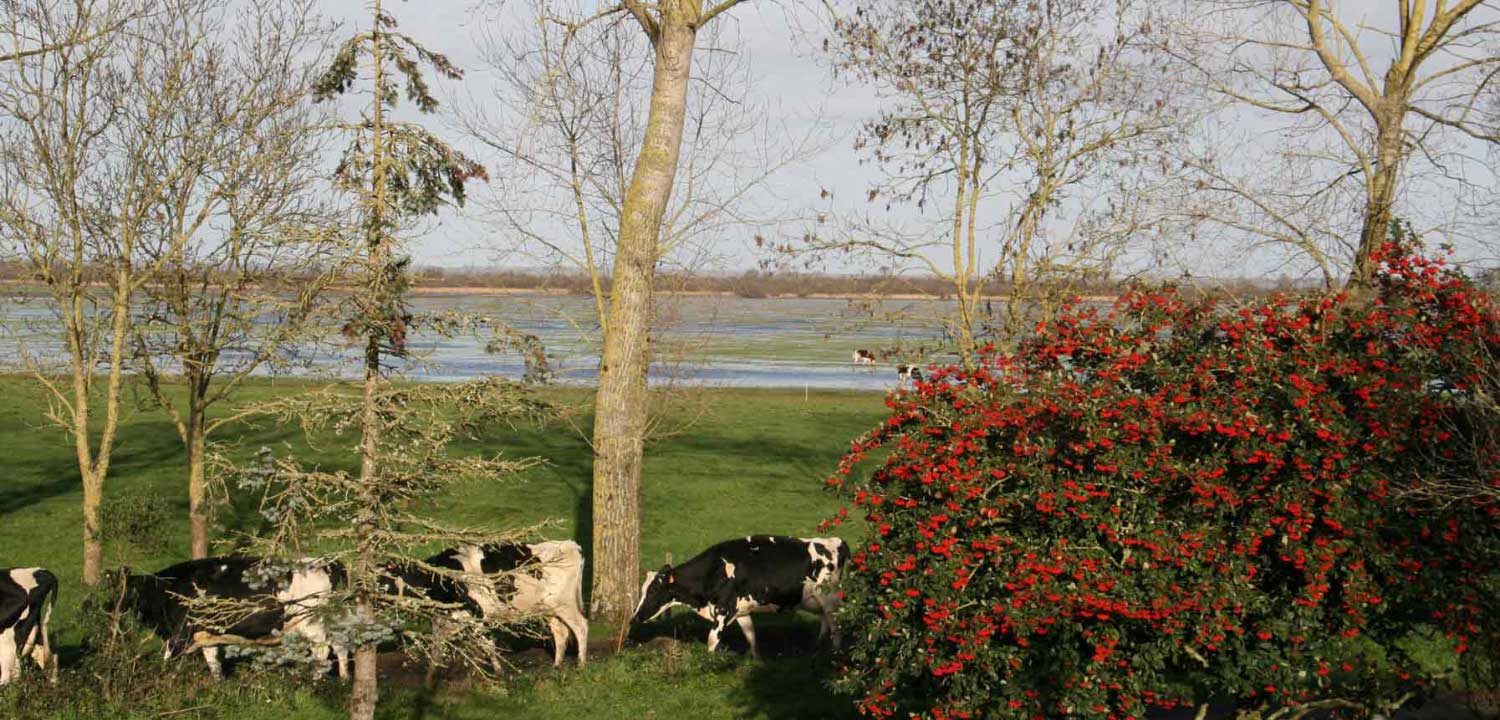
point(760, 284)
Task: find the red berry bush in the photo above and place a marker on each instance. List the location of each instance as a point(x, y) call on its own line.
point(1177, 501)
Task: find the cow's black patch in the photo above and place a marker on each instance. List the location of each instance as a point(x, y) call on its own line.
point(155, 599)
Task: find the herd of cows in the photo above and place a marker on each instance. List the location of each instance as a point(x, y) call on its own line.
point(724, 584)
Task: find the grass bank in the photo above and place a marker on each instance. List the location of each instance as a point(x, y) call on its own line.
point(749, 462)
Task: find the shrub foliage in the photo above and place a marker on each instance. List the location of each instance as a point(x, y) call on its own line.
point(1175, 501)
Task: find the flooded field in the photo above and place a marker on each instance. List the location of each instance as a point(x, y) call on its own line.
point(712, 340)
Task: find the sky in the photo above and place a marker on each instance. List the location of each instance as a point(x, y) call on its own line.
point(787, 76)
point(779, 42)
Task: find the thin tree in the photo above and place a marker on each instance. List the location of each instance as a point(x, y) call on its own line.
point(84, 159)
point(997, 113)
point(1373, 87)
point(247, 257)
point(396, 170)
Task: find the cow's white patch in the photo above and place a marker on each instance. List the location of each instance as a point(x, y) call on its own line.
point(728, 568)
point(751, 605)
point(650, 576)
point(552, 588)
point(308, 591)
point(25, 577)
point(9, 659)
point(480, 589)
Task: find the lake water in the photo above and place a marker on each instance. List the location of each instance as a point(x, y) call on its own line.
point(706, 340)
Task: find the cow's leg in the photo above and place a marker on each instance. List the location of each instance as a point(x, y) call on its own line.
point(211, 656)
point(8, 661)
point(749, 629)
point(830, 603)
point(713, 634)
point(579, 626)
point(559, 639)
point(42, 651)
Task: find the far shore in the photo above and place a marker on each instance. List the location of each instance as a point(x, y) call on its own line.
point(482, 290)
point(420, 289)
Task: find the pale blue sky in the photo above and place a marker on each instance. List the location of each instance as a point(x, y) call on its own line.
point(779, 44)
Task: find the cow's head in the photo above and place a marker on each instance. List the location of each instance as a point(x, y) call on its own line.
point(658, 593)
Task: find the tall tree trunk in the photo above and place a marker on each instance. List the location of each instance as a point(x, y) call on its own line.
point(94, 473)
point(1381, 197)
point(964, 333)
point(620, 405)
point(198, 509)
point(365, 693)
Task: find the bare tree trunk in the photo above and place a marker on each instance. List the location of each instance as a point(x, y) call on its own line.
point(620, 405)
point(94, 473)
point(198, 509)
point(1381, 197)
point(93, 539)
point(961, 271)
point(365, 693)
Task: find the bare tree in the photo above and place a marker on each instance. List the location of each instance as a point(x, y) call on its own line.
point(1367, 92)
point(25, 46)
point(87, 151)
point(1004, 111)
point(241, 239)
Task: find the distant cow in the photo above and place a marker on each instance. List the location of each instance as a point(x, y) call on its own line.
point(546, 579)
point(157, 599)
point(908, 373)
point(864, 357)
point(26, 599)
point(758, 573)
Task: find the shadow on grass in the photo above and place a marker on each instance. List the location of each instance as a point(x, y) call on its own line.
point(794, 688)
point(791, 680)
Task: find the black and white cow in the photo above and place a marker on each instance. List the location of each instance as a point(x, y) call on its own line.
point(864, 357)
point(759, 573)
point(544, 579)
point(907, 373)
point(26, 599)
point(156, 599)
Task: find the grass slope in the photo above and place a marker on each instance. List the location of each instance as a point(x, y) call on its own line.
point(750, 464)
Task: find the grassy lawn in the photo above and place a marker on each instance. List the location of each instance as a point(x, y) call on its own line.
point(750, 462)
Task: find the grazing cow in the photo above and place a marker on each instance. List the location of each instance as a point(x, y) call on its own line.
point(864, 357)
point(157, 600)
point(26, 599)
point(759, 573)
point(544, 578)
point(908, 373)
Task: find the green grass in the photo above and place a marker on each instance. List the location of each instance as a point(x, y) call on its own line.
point(752, 463)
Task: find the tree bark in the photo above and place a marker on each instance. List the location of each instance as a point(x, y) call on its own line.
point(620, 404)
point(1381, 197)
point(198, 509)
point(365, 693)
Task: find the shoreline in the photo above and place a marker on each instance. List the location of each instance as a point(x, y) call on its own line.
point(418, 289)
